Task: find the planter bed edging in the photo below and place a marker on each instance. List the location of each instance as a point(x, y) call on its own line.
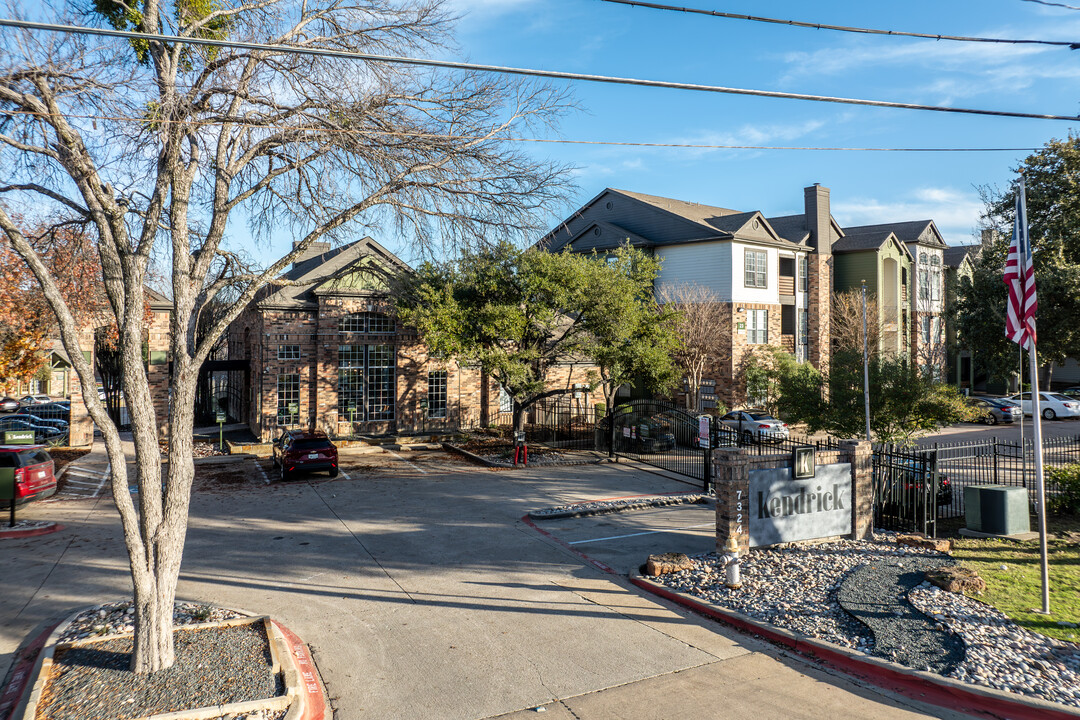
point(917, 684)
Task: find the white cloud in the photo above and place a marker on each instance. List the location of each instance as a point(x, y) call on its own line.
point(956, 213)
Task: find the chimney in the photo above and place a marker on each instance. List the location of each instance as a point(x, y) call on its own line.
point(816, 202)
point(988, 236)
point(313, 250)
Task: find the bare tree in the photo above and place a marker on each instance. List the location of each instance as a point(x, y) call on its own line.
point(704, 326)
point(157, 146)
point(846, 325)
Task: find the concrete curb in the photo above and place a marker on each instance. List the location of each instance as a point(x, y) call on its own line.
point(30, 532)
point(304, 696)
point(916, 684)
point(499, 466)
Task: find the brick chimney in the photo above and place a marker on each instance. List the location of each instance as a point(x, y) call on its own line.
point(313, 250)
point(816, 202)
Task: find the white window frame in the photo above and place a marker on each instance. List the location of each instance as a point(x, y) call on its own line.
point(757, 327)
point(756, 272)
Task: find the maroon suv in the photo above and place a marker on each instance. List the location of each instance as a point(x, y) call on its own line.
point(33, 468)
point(303, 451)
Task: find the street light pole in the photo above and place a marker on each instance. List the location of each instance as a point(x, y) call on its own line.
point(865, 364)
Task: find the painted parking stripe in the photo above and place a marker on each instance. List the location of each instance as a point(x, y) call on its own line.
point(407, 462)
point(646, 532)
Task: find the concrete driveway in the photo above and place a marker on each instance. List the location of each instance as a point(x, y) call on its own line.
point(423, 595)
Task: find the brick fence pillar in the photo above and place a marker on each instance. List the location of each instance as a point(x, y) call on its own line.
point(860, 453)
point(731, 480)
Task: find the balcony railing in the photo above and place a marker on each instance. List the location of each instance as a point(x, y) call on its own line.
point(787, 285)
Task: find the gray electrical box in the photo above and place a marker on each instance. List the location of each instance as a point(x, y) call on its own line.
point(996, 509)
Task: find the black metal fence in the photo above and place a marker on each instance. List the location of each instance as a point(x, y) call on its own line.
point(913, 487)
point(558, 424)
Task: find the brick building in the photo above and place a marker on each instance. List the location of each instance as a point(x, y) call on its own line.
point(325, 352)
point(772, 276)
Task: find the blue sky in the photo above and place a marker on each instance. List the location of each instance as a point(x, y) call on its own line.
point(590, 36)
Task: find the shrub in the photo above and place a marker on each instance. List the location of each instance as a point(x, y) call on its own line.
point(1067, 498)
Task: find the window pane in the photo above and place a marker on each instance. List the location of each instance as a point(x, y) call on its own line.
point(351, 382)
point(288, 403)
point(378, 323)
point(288, 352)
point(351, 323)
point(755, 263)
point(436, 394)
point(380, 382)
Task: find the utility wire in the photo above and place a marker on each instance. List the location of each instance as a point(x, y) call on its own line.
point(553, 74)
point(239, 123)
point(844, 28)
point(1055, 4)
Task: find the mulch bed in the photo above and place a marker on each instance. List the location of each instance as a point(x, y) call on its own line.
point(214, 666)
point(62, 458)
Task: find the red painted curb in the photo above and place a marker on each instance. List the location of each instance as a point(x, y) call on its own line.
point(13, 534)
point(22, 671)
point(910, 683)
point(595, 563)
point(310, 686)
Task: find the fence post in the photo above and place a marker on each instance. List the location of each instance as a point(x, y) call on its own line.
point(994, 441)
point(611, 432)
point(706, 471)
point(732, 479)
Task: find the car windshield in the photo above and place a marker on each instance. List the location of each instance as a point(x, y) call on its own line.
point(311, 444)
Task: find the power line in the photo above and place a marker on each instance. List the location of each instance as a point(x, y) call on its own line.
point(554, 141)
point(845, 28)
point(552, 74)
point(1055, 4)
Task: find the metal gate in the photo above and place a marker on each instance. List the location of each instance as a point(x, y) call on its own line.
point(661, 434)
point(908, 489)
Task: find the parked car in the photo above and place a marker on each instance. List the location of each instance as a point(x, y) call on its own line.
point(995, 410)
point(8, 404)
point(38, 420)
point(1073, 391)
point(42, 433)
point(34, 399)
point(57, 410)
point(1052, 405)
point(756, 425)
point(643, 434)
point(303, 451)
point(33, 468)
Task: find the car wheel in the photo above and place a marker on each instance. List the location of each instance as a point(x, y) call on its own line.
point(333, 472)
point(990, 419)
point(1049, 413)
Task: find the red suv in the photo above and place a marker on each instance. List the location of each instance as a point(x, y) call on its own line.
point(303, 451)
point(33, 470)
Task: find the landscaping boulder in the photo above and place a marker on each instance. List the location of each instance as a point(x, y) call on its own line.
point(957, 579)
point(667, 563)
point(921, 541)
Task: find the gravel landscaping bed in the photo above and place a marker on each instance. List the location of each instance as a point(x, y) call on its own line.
point(798, 589)
point(214, 666)
point(115, 618)
point(601, 507)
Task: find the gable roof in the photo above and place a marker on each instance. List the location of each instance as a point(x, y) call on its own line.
point(955, 255)
point(793, 228)
point(315, 272)
point(911, 231)
point(676, 222)
point(874, 240)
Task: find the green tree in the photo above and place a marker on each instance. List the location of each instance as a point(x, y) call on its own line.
point(517, 313)
point(1052, 189)
point(905, 402)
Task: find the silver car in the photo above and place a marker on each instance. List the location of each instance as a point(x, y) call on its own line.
point(756, 426)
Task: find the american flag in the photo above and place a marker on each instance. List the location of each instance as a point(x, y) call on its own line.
point(1020, 279)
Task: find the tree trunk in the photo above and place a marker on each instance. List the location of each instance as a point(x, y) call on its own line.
point(518, 416)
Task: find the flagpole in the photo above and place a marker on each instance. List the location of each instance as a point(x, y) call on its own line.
point(1040, 491)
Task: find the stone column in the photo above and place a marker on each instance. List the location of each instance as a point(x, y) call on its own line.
point(860, 454)
point(731, 480)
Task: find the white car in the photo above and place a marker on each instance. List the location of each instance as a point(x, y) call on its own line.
point(34, 399)
point(756, 425)
point(1051, 405)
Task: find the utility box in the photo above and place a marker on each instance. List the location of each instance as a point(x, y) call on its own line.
point(996, 509)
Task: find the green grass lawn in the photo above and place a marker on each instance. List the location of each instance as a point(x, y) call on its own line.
point(1018, 589)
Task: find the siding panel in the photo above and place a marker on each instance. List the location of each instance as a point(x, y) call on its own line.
point(707, 264)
